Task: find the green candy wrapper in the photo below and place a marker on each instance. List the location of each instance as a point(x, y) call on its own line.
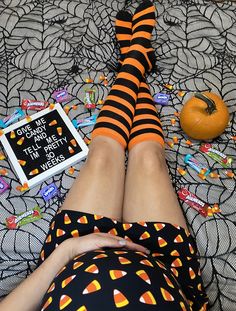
point(16, 221)
point(216, 155)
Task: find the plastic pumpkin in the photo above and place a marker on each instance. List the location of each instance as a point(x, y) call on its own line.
point(204, 116)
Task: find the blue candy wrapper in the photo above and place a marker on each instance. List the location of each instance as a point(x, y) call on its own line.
point(85, 122)
point(49, 192)
point(18, 113)
point(161, 99)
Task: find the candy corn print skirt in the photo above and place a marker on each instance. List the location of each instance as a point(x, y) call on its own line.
point(116, 279)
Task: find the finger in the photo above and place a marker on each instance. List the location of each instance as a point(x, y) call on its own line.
point(117, 241)
point(136, 247)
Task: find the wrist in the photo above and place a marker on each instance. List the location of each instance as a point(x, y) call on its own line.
point(64, 252)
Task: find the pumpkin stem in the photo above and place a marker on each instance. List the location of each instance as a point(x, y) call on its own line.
point(211, 106)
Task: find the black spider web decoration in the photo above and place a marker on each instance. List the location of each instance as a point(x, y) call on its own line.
point(50, 44)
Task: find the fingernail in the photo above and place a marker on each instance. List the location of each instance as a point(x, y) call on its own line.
point(148, 251)
point(122, 242)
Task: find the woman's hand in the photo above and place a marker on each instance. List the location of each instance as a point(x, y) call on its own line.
point(94, 241)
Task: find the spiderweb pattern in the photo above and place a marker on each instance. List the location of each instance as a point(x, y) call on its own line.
point(49, 44)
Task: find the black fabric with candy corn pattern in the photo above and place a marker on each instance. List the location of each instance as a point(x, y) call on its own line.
point(167, 279)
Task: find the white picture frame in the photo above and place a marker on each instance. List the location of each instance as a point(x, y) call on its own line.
point(24, 125)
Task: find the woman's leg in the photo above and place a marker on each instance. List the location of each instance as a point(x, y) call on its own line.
point(149, 194)
point(99, 186)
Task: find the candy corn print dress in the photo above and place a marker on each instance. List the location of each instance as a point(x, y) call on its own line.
point(116, 279)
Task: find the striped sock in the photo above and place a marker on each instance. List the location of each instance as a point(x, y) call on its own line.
point(116, 116)
point(143, 22)
point(123, 28)
point(146, 124)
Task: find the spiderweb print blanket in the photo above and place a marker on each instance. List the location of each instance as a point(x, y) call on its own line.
point(48, 44)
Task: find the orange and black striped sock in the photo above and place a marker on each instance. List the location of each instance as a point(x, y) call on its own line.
point(116, 116)
point(146, 124)
point(123, 28)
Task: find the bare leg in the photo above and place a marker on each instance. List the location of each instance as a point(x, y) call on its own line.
point(99, 187)
point(149, 194)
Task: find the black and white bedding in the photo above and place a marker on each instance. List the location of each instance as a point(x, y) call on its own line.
point(50, 44)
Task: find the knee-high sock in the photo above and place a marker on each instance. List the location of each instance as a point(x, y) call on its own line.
point(146, 124)
point(116, 116)
point(123, 28)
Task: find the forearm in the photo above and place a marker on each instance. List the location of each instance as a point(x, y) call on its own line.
point(28, 295)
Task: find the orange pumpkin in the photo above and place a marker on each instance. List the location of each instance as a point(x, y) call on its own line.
point(204, 116)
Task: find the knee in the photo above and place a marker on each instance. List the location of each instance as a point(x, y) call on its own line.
point(149, 158)
point(103, 155)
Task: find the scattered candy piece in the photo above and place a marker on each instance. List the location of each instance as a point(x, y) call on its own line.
point(170, 144)
point(2, 156)
point(28, 118)
point(74, 107)
point(66, 109)
point(3, 185)
point(188, 142)
point(100, 102)
point(105, 82)
point(209, 211)
point(34, 172)
point(87, 140)
point(23, 187)
point(193, 201)
point(71, 170)
point(61, 95)
point(169, 86)
point(177, 114)
point(14, 222)
point(28, 104)
point(216, 155)
point(216, 208)
point(51, 106)
point(181, 93)
point(229, 173)
point(88, 80)
point(1, 132)
point(89, 99)
point(181, 171)
point(214, 175)
point(233, 137)
point(102, 78)
point(202, 176)
point(3, 172)
point(175, 140)
point(49, 192)
point(54, 122)
point(173, 121)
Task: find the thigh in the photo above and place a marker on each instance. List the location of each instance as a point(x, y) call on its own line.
point(99, 187)
point(149, 194)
